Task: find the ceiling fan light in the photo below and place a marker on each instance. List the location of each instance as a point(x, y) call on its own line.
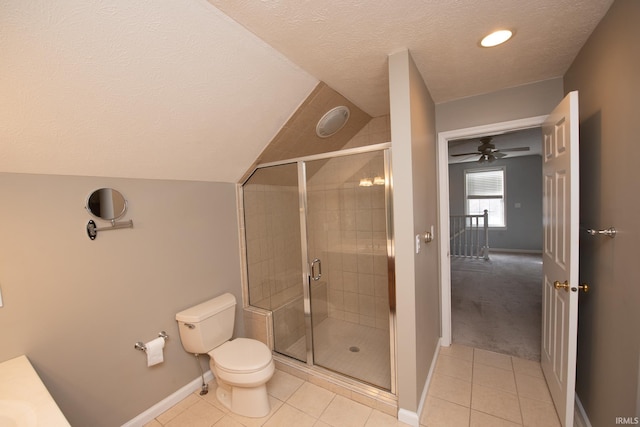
point(496, 38)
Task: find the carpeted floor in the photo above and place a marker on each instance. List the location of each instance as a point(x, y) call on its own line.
point(496, 305)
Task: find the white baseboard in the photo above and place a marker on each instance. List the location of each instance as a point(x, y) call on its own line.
point(168, 402)
point(409, 417)
point(413, 418)
point(580, 418)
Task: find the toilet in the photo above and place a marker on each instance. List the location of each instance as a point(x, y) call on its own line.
point(241, 366)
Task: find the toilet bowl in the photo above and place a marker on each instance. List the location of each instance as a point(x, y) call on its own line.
point(241, 366)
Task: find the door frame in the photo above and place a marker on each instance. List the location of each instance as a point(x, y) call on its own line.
point(442, 152)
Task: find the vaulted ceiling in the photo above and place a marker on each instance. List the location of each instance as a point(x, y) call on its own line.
point(195, 90)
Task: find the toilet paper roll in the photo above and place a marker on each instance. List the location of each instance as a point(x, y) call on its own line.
point(154, 351)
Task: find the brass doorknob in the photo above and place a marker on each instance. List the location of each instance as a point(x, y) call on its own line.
point(559, 285)
point(584, 287)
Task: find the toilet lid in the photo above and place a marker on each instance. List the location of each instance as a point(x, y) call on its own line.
point(242, 355)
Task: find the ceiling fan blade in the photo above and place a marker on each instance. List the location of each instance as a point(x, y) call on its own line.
point(515, 149)
point(465, 154)
point(499, 155)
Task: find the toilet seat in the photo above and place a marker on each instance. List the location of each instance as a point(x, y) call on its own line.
point(242, 356)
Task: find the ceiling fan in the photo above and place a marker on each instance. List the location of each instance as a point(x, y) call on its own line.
point(488, 151)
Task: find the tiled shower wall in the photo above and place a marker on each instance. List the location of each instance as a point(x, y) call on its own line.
point(354, 284)
point(347, 231)
point(273, 244)
point(354, 253)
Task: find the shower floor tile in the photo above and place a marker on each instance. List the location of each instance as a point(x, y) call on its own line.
point(358, 351)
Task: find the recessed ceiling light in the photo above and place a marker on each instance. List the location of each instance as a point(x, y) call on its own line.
point(496, 38)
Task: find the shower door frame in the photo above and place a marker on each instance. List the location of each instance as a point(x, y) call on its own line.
point(306, 268)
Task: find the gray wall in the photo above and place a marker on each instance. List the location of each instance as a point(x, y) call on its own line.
point(531, 100)
point(524, 186)
point(75, 307)
point(415, 189)
point(606, 73)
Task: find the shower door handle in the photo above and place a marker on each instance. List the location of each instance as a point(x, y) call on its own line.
point(313, 269)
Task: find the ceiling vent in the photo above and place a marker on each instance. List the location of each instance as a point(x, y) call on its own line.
point(332, 121)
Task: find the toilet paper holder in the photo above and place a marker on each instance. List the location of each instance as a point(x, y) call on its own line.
point(140, 345)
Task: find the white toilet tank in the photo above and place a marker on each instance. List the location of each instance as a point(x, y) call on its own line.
point(207, 325)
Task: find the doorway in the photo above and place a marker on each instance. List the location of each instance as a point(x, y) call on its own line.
point(496, 270)
point(560, 248)
point(443, 201)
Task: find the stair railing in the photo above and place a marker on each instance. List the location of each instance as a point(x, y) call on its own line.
point(470, 236)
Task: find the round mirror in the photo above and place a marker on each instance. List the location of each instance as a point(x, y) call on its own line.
point(107, 204)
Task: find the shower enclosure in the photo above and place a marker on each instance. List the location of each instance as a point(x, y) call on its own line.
point(319, 254)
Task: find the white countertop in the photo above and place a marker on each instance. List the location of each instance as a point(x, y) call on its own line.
point(24, 400)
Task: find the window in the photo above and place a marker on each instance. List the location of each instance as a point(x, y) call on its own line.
point(485, 190)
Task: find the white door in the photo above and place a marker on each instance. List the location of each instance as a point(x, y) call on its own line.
point(560, 254)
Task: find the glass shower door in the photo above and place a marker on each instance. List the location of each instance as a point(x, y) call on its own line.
point(347, 239)
point(274, 256)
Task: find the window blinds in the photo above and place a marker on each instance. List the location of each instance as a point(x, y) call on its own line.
point(485, 184)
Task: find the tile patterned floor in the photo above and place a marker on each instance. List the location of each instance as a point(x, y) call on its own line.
point(477, 388)
point(470, 388)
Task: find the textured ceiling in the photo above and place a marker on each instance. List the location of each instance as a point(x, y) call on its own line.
point(138, 89)
point(346, 43)
point(195, 90)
